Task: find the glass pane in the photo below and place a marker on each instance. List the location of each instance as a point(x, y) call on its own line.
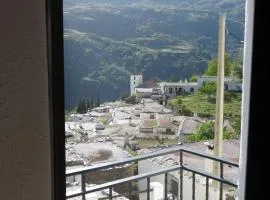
point(142, 76)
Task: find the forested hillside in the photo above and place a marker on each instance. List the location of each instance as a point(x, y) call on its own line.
point(107, 40)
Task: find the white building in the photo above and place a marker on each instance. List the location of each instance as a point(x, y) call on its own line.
point(165, 126)
point(230, 83)
point(81, 117)
point(147, 115)
point(143, 93)
point(102, 109)
point(135, 80)
point(121, 117)
point(158, 90)
point(175, 88)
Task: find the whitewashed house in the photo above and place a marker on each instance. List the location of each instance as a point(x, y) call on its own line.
point(176, 88)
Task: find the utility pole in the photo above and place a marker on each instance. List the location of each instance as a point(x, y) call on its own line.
point(218, 141)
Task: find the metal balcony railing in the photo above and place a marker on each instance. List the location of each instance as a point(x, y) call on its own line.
point(181, 168)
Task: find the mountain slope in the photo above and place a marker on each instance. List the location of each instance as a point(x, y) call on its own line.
point(106, 42)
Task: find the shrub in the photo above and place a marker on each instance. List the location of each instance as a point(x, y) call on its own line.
point(194, 78)
point(124, 96)
point(195, 138)
point(237, 126)
point(207, 130)
point(204, 115)
point(179, 107)
point(131, 99)
point(210, 90)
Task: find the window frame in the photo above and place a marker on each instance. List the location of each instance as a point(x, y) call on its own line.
point(253, 106)
point(55, 61)
point(253, 154)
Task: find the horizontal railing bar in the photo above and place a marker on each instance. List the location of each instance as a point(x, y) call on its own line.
point(147, 156)
point(124, 180)
point(120, 195)
point(212, 157)
point(151, 174)
point(117, 163)
point(205, 174)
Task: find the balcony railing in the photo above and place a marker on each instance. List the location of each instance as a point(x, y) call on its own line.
point(180, 167)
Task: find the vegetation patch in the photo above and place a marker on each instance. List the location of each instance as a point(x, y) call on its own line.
point(198, 103)
point(155, 142)
point(206, 131)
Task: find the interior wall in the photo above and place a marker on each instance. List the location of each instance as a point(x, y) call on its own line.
point(24, 122)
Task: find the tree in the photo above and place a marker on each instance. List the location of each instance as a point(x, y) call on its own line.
point(124, 96)
point(92, 102)
point(131, 99)
point(212, 67)
point(81, 107)
point(237, 70)
point(179, 107)
point(88, 105)
point(98, 99)
point(194, 78)
point(207, 130)
point(232, 67)
point(209, 89)
point(179, 101)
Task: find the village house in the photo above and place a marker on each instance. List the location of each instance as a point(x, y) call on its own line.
point(143, 93)
point(148, 126)
point(165, 126)
point(176, 88)
point(158, 90)
point(147, 89)
point(231, 84)
point(81, 117)
point(147, 115)
point(121, 117)
point(101, 109)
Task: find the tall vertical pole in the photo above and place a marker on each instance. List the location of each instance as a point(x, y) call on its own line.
point(218, 143)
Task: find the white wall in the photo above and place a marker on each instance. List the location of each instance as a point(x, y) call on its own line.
point(24, 122)
point(147, 115)
point(175, 89)
point(135, 80)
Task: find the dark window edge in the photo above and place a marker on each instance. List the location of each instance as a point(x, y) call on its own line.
point(55, 59)
point(257, 154)
point(254, 177)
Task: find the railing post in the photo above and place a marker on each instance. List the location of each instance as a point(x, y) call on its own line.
point(136, 196)
point(181, 176)
point(207, 189)
point(136, 168)
point(221, 184)
point(193, 186)
point(148, 188)
point(166, 187)
point(130, 190)
point(83, 185)
point(110, 193)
